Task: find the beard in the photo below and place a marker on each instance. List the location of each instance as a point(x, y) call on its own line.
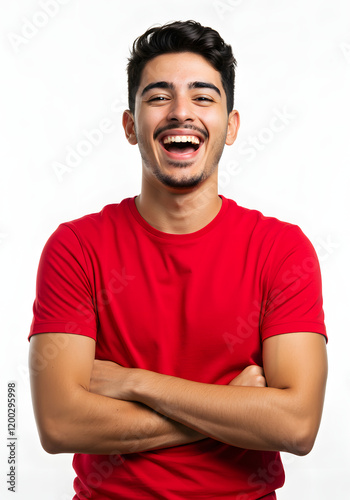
point(176, 182)
point(169, 180)
point(184, 181)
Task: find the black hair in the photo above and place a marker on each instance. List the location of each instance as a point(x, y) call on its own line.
point(182, 36)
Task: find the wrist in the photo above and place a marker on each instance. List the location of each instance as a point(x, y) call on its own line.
point(135, 380)
point(139, 382)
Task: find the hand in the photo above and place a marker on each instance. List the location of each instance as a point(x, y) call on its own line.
point(109, 379)
point(251, 376)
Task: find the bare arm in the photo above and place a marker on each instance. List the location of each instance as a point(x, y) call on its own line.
point(284, 416)
point(72, 419)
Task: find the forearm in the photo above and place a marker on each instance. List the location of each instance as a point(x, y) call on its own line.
point(71, 418)
point(90, 423)
point(247, 417)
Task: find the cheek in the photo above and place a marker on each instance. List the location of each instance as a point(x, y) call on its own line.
point(216, 123)
point(145, 130)
point(218, 134)
point(145, 141)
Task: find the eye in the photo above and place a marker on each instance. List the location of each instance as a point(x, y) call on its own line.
point(204, 99)
point(159, 98)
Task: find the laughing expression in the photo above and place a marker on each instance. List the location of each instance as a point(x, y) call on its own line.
point(180, 123)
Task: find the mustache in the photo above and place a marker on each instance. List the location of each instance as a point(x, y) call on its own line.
point(173, 126)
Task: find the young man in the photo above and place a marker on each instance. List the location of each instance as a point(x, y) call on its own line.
point(178, 340)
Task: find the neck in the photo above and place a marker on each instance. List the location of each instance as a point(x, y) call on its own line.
point(179, 213)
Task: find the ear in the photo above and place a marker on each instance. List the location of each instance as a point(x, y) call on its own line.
point(129, 127)
point(232, 127)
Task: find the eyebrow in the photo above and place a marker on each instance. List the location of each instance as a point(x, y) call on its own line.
point(170, 86)
point(157, 85)
point(204, 85)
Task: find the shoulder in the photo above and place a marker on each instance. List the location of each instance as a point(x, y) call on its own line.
point(92, 227)
point(259, 227)
point(90, 234)
point(110, 214)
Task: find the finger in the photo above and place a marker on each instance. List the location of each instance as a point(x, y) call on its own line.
point(256, 370)
point(260, 381)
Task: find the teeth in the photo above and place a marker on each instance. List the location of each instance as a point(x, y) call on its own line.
point(181, 138)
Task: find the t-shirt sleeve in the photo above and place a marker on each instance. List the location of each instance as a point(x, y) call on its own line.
point(64, 299)
point(294, 289)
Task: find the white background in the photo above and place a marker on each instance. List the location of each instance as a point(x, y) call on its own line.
point(64, 73)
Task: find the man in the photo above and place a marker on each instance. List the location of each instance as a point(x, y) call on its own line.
point(178, 340)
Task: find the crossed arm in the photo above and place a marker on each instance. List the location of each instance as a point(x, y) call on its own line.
point(87, 406)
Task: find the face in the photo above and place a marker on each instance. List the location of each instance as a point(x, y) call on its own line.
point(180, 123)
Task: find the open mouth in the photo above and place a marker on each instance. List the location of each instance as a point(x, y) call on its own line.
point(181, 144)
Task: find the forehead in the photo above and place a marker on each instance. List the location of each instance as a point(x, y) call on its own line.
point(179, 69)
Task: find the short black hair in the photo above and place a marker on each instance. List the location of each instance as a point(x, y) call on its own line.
point(182, 36)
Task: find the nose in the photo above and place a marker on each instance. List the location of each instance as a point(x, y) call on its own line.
point(181, 110)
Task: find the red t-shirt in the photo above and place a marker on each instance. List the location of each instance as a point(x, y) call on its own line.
point(196, 306)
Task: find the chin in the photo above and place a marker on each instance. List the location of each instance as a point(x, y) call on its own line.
point(184, 183)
